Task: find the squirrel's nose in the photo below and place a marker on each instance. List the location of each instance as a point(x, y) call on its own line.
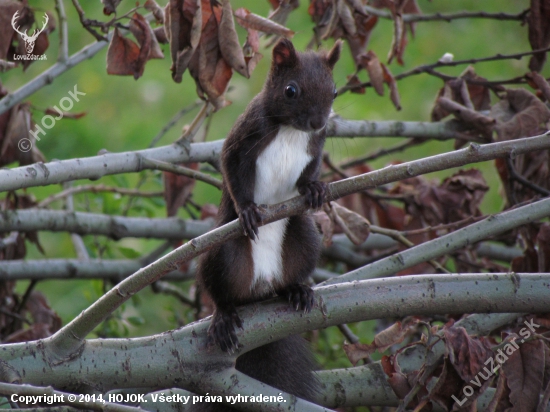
point(317, 122)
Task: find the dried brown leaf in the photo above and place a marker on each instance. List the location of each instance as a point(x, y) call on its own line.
point(282, 10)
point(371, 63)
point(394, 334)
point(394, 92)
point(524, 369)
point(355, 226)
point(122, 56)
point(18, 144)
point(463, 92)
point(142, 31)
point(358, 43)
point(183, 23)
point(537, 81)
point(538, 21)
point(109, 6)
point(471, 118)
point(177, 189)
point(325, 225)
point(250, 20)
point(357, 6)
point(346, 17)
point(209, 210)
point(160, 34)
point(66, 115)
point(399, 40)
point(466, 353)
point(449, 384)
point(229, 41)
point(153, 7)
point(358, 351)
point(355, 84)
point(7, 10)
point(210, 71)
point(519, 114)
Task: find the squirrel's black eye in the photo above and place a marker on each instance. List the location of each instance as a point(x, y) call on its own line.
point(335, 93)
point(290, 91)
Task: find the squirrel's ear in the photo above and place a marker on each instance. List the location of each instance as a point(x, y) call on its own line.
point(284, 54)
point(334, 54)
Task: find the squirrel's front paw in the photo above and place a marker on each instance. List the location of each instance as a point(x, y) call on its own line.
point(250, 217)
point(299, 296)
point(222, 329)
point(315, 193)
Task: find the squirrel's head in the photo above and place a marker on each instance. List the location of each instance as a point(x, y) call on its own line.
point(300, 90)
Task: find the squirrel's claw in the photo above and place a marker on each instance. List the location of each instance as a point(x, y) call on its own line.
point(250, 216)
point(315, 193)
point(222, 330)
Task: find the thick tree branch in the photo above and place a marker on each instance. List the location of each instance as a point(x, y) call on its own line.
point(47, 269)
point(48, 76)
point(70, 338)
point(182, 360)
point(41, 174)
point(117, 227)
point(493, 225)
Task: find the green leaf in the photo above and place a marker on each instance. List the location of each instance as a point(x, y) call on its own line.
point(128, 252)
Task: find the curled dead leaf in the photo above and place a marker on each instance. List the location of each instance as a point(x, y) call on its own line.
point(250, 20)
point(229, 41)
point(122, 56)
point(142, 31)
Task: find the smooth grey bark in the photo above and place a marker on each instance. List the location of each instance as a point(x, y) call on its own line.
point(95, 167)
point(180, 359)
point(116, 227)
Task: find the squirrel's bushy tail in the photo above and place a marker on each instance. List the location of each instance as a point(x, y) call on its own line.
point(287, 364)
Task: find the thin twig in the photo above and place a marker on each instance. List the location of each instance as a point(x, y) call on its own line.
point(187, 137)
point(429, 68)
point(63, 32)
point(397, 236)
point(411, 18)
point(382, 152)
point(86, 23)
point(182, 170)
point(514, 175)
point(167, 288)
point(347, 332)
point(48, 76)
point(173, 121)
point(96, 189)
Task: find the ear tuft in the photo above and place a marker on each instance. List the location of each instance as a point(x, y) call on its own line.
point(334, 54)
point(284, 54)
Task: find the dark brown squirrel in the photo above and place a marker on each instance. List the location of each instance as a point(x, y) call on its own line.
point(273, 153)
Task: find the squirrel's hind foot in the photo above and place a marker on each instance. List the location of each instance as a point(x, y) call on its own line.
point(222, 329)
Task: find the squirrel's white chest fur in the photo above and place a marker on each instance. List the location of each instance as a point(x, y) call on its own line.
point(278, 168)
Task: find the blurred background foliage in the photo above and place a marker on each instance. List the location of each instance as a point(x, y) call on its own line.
point(125, 115)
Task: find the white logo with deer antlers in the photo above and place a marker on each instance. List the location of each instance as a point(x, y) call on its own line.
point(29, 40)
